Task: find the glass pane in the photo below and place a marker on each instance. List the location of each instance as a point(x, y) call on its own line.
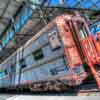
point(5, 71)
point(2, 74)
point(70, 3)
point(98, 4)
point(22, 63)
point(13, 68)
point(54, 2)
point(86, 4)
point(83, 31)
point(38, 54)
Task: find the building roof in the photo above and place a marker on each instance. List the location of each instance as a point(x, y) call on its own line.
point(42, 12)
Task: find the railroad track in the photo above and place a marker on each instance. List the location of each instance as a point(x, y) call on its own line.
point(84, 89)
point(88, 90)
point(92, 92)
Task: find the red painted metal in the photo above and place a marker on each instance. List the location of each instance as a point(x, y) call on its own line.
point(98, 43)
point(89, 48)
point(69, 45)
point(97, 47)
point(92, 57)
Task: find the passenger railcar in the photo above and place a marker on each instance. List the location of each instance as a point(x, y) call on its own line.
point(49, 55)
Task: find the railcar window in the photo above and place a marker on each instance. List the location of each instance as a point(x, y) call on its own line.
point(22, 63)
point(13, 68)
point(5, 71)
point(38, 54)
point(53, 71)
point(2, 74)
point(54, 40)
point(83, 31)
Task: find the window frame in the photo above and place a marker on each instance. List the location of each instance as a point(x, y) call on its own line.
point(38, 56)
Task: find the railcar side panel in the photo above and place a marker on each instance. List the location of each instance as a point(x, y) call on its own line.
point(44, 72)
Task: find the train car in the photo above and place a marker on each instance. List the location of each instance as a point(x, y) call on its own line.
point(54, 53)
point(8, 71)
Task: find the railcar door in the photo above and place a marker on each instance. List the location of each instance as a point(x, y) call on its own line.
point(12, 74)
